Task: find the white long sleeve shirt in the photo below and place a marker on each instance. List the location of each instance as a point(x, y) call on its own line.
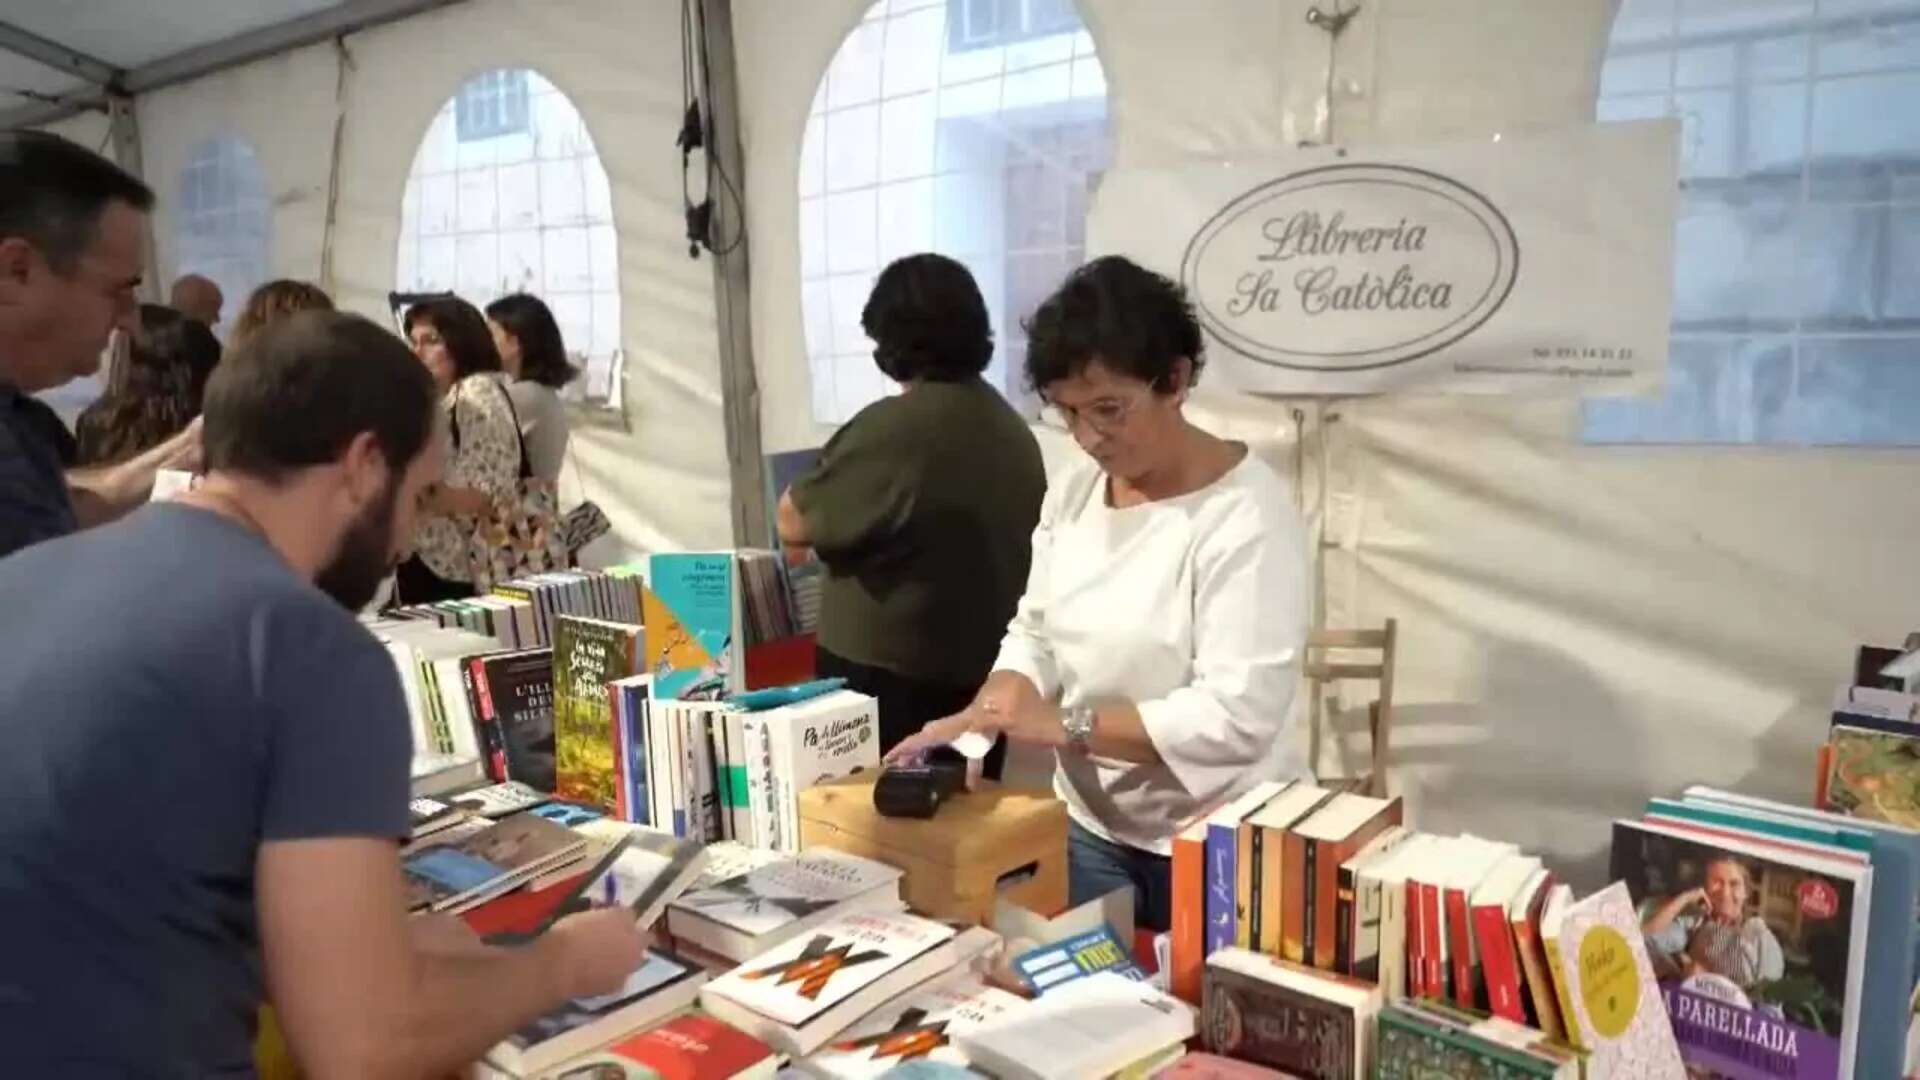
point(1195, 610)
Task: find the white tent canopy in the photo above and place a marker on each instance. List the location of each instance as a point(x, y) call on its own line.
point(1581, 626)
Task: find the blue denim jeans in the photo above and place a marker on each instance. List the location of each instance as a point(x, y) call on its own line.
point(1096, 867)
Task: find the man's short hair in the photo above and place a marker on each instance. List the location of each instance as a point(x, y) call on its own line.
point(295, 394)
point(52, 193)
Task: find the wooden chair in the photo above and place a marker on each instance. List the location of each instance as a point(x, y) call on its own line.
point(1323, 668)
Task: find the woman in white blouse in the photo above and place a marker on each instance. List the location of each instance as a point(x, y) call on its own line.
point(535, 360)
point(451, 338)
point(1158, 645)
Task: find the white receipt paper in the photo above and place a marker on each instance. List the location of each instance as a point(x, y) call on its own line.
point(973, 746)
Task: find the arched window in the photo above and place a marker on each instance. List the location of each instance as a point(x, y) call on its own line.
point(507, 194)
point(1796, 303)
point(967, 127)
point(223, 220)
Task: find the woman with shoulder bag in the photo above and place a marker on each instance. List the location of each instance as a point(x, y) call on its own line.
point(485, 461)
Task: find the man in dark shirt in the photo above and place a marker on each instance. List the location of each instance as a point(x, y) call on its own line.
point(72, 250)
point(206, 763)
point(922, 507)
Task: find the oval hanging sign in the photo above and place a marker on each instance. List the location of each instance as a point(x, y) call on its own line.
point(1351, 267)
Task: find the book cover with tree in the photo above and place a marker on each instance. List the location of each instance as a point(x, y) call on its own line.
point(587, 655)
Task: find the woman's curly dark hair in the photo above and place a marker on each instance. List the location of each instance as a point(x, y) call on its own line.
point(928, 320)
point(464, 330)
point(154, 393)
point(1132, 320)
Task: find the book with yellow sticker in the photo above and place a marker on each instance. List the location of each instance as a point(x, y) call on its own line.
point(1613, 1004)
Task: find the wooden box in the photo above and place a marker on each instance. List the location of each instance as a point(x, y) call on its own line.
point(982, 845)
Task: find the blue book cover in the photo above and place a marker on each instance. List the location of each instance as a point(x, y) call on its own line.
point(1893, 928)
point(1222, 853)
point(1050, 967)
point(633, 741)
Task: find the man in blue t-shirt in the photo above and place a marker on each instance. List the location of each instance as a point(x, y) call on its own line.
point(204, 758)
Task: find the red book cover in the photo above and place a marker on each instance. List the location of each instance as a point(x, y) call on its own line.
point(489, 720)
point(694, 1047)
point(520, 911)
point(1325, 931)
point(1433, 978)
point(1460, 946)
point(1499, 962)
point(1416, 943)
point(1188, 946)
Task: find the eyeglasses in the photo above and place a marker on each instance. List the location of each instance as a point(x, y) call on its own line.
point(1104, 416)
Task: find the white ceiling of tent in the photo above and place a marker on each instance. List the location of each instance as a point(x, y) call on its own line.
point(146, 44)
point(127, 34)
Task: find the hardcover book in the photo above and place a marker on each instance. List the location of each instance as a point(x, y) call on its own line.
point(1415, 1044)
point(1759, 948)
point(1290, 1017)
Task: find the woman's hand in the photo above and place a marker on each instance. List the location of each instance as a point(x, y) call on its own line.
point(1007, 704)
point(456, 501)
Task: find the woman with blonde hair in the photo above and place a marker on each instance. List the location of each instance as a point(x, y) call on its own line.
point(275, 301)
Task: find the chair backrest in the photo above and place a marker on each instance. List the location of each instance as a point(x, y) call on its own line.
point(1321, 670)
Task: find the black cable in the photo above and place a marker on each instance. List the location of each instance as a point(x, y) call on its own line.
point(714, 165)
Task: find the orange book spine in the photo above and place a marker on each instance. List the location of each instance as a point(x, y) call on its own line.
point(1188, 929)
point(1533, 965)
point(1293, 900)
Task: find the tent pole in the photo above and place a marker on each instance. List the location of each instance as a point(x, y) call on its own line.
point(124, 124)
point(740, 385)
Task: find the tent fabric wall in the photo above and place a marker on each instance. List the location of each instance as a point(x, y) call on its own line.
point(1581, 627)
point(658, 468)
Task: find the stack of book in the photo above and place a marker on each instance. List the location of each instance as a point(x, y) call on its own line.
point(714, 771)
point(519, 614)
point(477, 712)
point(741, 917)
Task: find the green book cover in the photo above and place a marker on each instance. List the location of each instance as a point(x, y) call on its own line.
point(1416, 1047)
point(1875, 775)
point(587, 655)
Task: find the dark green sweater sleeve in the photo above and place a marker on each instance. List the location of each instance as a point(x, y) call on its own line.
point(861, 494)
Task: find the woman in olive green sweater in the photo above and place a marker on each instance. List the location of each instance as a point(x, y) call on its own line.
point(922, 507)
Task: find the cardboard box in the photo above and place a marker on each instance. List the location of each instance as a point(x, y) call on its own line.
point(981, 847)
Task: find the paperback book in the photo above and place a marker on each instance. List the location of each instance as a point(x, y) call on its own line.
point(797, 996)
point(660, 987)
point(587, 655)
point(921, 1027)
point(745, 915)
point(460, 867)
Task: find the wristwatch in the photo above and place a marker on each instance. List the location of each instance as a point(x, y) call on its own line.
point(1078, 722)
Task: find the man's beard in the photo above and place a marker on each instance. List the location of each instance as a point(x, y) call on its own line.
point(365, 557)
